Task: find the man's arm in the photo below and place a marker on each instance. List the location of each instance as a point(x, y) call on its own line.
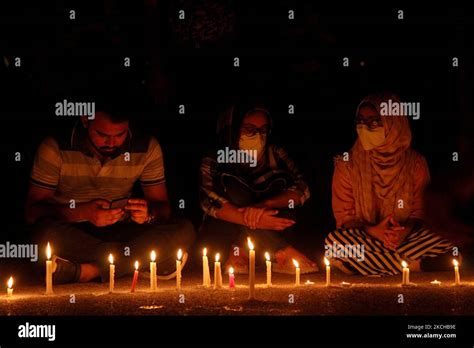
point(38, 204)
point(158, 203)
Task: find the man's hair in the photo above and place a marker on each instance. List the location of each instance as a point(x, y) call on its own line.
point(116, 111)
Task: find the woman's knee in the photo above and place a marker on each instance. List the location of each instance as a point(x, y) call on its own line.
point(331, 238)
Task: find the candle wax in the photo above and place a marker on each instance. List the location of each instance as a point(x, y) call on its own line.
point(252, 274)
point(112, 278)
point(49, 277)
point(135, 279)
point(206, 277)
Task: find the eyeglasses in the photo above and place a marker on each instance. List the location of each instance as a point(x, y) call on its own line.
point(372, 123)
point(251, 131)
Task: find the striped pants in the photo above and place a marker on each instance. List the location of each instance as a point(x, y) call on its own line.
point(376, 259)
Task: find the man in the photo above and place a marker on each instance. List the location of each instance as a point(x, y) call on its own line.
point(73, 182)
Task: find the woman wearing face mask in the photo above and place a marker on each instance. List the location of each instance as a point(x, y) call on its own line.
point(250, 198)
point(377, 199)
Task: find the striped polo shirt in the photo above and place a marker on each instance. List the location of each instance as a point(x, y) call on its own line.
point(68, 167)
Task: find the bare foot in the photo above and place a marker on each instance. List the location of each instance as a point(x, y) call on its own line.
point(239, 263)
point(88, 272)
point(284, 261)
point(415, 266)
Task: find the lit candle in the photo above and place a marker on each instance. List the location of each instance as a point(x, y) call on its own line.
point(436, 282)
point(152, 271)
point(298, 272)
point(10, 287)
point(206, 276)
point(217, 273)
point(178, 269)
point(111, 274)
point(406, 274)
point(231, 278)
point(457, 278)
point(251, 269)
point(49, 271)
point(269, 269)
point(328, 272)
point(135, 277)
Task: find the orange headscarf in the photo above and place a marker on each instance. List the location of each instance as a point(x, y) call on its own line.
point(383, 182)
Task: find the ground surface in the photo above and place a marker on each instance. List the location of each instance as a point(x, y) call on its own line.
point(366, 296)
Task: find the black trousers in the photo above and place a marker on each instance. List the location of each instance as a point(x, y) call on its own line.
point(127, 241)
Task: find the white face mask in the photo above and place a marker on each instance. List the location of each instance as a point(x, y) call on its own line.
point(254, 143)
point(370, 138)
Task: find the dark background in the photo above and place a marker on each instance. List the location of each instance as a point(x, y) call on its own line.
point(190, 62)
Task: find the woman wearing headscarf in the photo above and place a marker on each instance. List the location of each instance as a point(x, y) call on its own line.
point(377, 199)
point(252, 198)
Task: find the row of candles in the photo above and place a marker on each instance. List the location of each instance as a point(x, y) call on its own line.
point(206, 282)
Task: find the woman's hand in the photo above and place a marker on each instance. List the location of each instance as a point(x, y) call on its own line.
point(389, 232)
point(262, 218)
point(252, 216)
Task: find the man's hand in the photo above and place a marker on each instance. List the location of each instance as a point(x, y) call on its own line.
point(98, 214)
point(138, 210)
point(264, 219)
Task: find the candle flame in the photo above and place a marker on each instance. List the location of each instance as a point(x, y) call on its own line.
point(267, 256)
point(136, 265)
point(217, 257)
point(204, 252)
point(297, 265)
point(111, 258)
point(326, 261)
point(231, 270)
point(249, 242)
point(404, 264)
point(153, 256)
point(455, 263)
point(180, 254)
point(10, 282)
point(48, 252)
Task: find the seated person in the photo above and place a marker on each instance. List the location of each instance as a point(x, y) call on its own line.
point(73, 181)
point(251, 199)
point(377, 199)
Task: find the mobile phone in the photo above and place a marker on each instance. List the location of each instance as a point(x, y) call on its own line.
point(118, 203)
